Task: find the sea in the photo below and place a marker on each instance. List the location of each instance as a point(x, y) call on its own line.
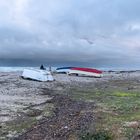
point(14, 69)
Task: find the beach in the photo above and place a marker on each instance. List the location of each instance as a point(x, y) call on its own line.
point(69, 106)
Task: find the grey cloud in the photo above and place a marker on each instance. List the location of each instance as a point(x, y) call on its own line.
point(93, 32)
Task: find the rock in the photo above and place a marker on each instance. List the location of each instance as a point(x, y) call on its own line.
point(133, 124)
point(130, 88)
point(66, 127)
point(137, 137)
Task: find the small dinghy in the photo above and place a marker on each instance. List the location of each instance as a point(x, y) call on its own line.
point(39, 75)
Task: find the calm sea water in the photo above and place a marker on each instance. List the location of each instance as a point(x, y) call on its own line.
point(14, 69)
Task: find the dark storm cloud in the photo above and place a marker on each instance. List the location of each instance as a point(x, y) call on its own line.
point(93, 32)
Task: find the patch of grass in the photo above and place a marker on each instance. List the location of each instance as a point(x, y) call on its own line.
point(129, 132)
point(126, 94)
point(14, 128)
point(48, 110)
point(114, 107)
point(115, 125)
point(23, 125)
point(122, 104)
point(100, 135)
point(86, 94)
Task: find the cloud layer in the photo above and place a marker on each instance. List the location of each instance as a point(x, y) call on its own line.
point(100, 33)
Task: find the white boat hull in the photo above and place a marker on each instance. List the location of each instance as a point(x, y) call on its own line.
point(84, 73)
point(39, 75)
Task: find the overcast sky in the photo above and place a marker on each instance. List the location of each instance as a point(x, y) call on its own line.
point(100, 33)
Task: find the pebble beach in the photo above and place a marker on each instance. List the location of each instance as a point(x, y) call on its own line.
point(24, 100)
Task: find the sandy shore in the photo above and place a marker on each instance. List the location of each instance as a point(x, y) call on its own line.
point(18, 96)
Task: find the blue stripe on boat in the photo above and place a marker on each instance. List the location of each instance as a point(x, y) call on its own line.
point(64, 68)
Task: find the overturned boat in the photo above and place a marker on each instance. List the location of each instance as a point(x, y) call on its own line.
point(37, 74)
point(85, 72)
point(80, 71)
point(63, 69)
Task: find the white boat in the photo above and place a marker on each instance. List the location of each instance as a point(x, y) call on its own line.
point(85, 72)
point(37, 74)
